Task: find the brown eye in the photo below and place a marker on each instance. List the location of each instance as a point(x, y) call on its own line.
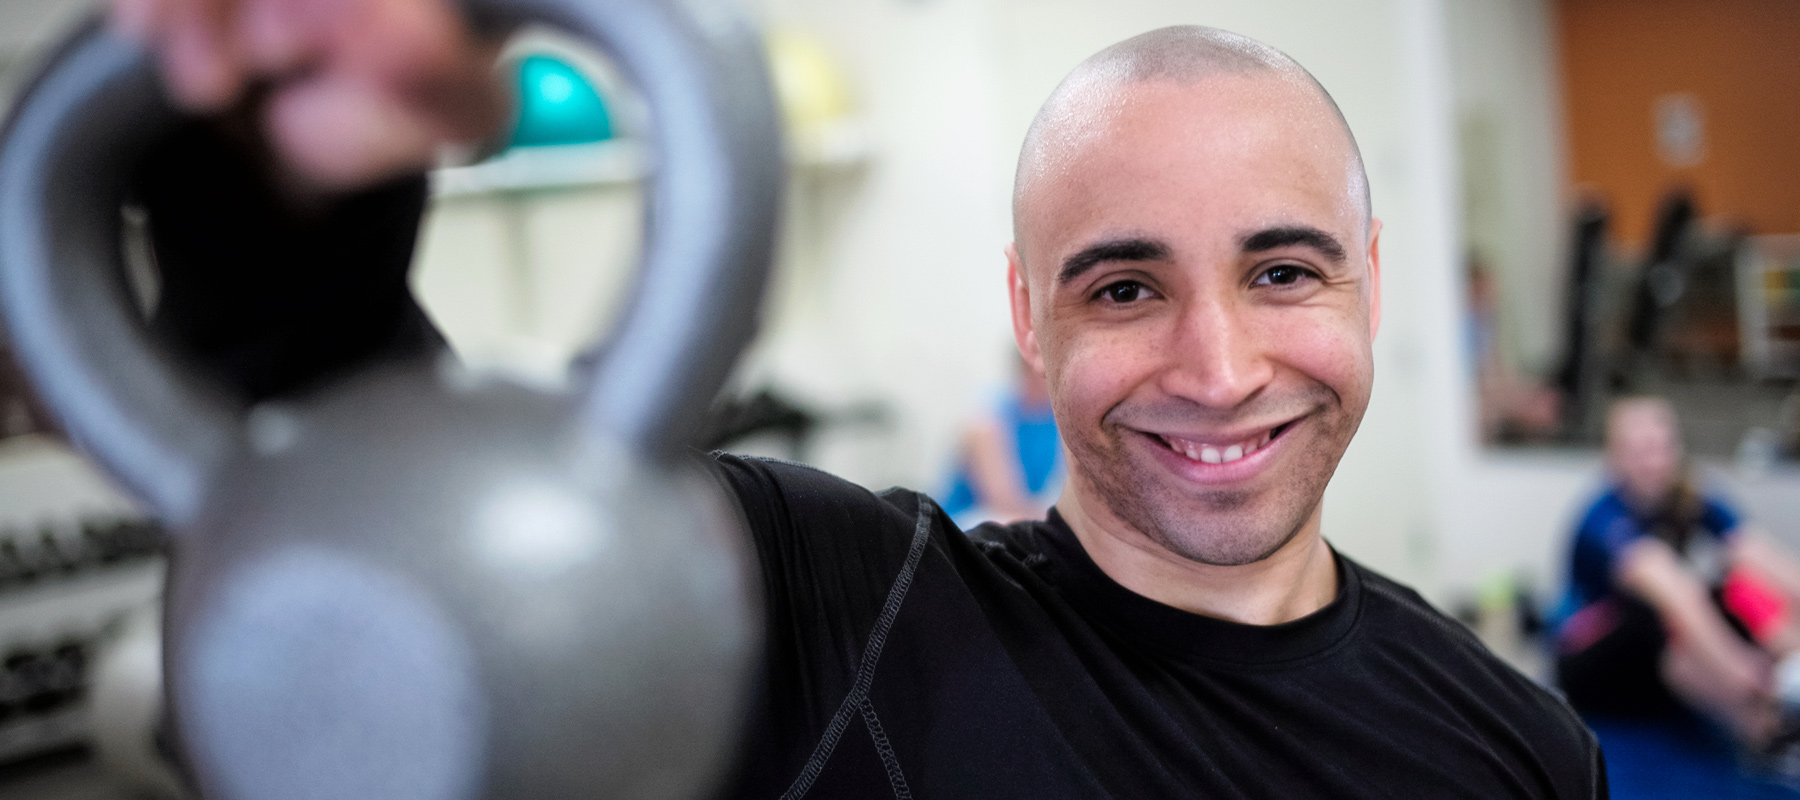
point(1284, 275)
point(1124, 292)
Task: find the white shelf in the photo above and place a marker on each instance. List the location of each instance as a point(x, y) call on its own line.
point(627, 161)
point(617, 161)
point(843, 143)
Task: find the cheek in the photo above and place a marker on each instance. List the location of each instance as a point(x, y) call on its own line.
point(1326, 345)
point(1093, 370)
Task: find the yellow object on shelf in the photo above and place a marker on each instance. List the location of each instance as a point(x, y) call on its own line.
point(811, 88)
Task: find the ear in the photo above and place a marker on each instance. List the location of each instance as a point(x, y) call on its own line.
point(1374, 277)
point(1020, 293)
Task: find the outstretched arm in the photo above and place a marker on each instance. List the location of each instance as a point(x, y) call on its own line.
point(283, 220)
point(348, 92)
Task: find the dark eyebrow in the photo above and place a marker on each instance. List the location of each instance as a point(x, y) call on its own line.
point(1289, 235)
point(1135, 248)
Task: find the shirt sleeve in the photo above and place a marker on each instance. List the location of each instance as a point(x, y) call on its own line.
point(827, 551)
point(1618, 532)
point(1600, 540)
point(1718, 518)
point(265, 297)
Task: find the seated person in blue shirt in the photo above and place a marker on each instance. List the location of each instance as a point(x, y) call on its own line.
point(1679, 603)
point(1009, 461)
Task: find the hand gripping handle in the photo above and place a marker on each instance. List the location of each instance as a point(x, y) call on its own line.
point(75, 133)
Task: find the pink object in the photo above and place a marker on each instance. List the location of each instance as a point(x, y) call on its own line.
point(1587, 626)
point(1761, 608)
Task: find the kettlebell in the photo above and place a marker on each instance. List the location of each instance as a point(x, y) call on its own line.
point(407, 587)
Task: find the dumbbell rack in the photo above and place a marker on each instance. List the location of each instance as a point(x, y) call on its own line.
point(61, 591)
point(68, 578)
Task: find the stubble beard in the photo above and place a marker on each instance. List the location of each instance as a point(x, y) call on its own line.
point(1218, 527)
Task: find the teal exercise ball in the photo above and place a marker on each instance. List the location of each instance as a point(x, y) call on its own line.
point(558, 105)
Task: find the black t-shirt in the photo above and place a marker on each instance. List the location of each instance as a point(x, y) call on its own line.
point(907, 659)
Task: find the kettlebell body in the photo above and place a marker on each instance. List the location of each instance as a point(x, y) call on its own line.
point(447, 594)
point(410, 585)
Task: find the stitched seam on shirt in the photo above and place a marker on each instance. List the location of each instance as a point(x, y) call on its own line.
point(896, 778)
point(775, 460)
point(865, 674)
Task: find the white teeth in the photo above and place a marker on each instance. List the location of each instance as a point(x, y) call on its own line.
point(1211, 454)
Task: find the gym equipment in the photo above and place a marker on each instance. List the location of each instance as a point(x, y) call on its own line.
point(558, 105)
point(1579, 376)
point(74, 559)
point(406, 585)
point(63, 589)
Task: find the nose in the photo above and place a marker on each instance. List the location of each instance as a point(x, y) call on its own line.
point(1215, 358)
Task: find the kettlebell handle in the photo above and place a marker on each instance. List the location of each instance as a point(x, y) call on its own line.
point(96, 105)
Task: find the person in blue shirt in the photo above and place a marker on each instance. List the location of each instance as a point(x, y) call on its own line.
point(1678, 603)
point(1009, 461)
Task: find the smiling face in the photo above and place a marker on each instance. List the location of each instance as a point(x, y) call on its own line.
point(1196, 275)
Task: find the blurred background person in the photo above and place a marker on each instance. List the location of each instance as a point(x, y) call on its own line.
point(1679, 605)
point(1510, 406)
point(1009, 459)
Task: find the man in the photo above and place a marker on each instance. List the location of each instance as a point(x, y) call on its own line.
point(1196, 275)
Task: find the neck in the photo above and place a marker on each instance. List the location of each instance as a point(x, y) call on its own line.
point(1294, 581)
point(1646, 503)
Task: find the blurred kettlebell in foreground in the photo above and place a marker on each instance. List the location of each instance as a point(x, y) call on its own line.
point(397, 588)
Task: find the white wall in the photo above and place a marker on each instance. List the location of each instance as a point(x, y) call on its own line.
point(908, 303)
point(917, 277)
point(1510, 131)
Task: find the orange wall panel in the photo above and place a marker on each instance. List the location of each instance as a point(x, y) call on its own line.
point(1739, 58)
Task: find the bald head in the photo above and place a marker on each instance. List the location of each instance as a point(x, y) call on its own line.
point(1183, 55)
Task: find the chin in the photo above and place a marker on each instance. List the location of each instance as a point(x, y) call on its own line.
point(1213, 536)
point(1227, 550)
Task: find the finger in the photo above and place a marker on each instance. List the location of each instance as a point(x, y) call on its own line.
point(340, 132)
point(422, 52)
point(285, 36)
point(137, 19)
point(468, 102)
point(199, 57)
point(274, 35)
point(396, 42)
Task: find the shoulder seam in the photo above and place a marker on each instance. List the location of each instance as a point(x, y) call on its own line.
point(1455, 629)
point(769, 460)
point(865, 673)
